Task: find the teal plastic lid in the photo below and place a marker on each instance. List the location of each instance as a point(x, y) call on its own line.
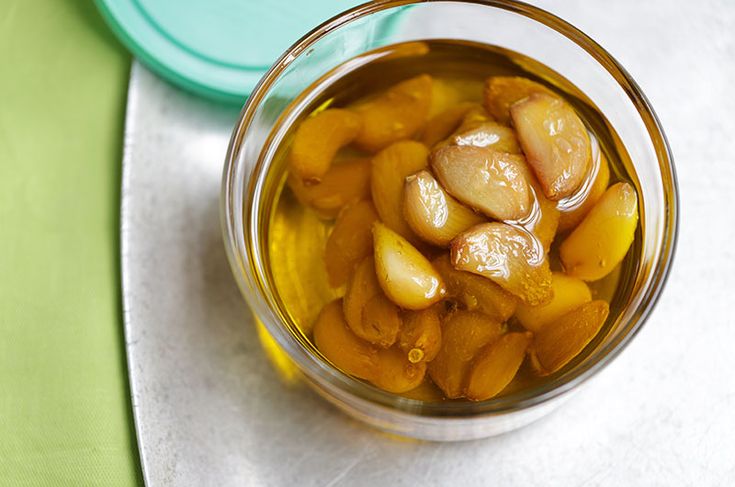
point(216, 48)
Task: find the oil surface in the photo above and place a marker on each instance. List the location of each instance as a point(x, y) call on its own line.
point(297, 235)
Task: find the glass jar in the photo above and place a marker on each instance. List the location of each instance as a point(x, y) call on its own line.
point(527, 30)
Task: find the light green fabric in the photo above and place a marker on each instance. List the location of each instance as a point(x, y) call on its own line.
point(65, 415)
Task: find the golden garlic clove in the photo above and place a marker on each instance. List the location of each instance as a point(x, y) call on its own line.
point(318, 139)
point(475, 116)
point(545, 225)
point(444, 123)
point(395, 373)
point(350, 241)
point(464, 333)
point(388, 369)
point(341, 346)
point(555, 141)
point(557, 343)
point(496, 365)
point(368, 312)
point(398, 114)
point(543, 219)
point(444, 95)
point(571, 217)
point(489, 181)
point(406, 276)
point(344, 183)
point(501, 92)
point(381, 321)
point(476, 292)
point(510, 256)
point(569, 293)
point(488, 134)
point(421, 335)
point(390, 168)
point(433, 214)
point(426, 391)
point(602, 240)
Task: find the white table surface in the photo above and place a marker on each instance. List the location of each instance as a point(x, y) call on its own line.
point(210, 411)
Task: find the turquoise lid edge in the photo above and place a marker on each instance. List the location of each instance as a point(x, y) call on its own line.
point(187, 83)
point(146, 58)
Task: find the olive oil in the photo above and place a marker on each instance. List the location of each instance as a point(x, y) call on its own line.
point(297, 234)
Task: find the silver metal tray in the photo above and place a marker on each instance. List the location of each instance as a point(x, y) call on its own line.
point(210, 410)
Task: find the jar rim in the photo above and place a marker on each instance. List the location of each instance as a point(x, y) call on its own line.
point(239, 253)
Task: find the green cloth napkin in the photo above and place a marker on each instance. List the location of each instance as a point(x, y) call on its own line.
point(65, 416)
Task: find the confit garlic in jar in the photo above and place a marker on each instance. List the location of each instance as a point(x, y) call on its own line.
point(451, 225)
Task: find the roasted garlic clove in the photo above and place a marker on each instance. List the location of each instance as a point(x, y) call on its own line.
point(426, 391)
point(444, 123)
point(344, 183)
point(390, 168)
point(388, 369)
point(350, 241)
point(405, 275)
point(488, 134)
point(543, 219)
point(496, 365)
point(369, 317)
point(444, 95)
point(381, 321)
point(510, 256)
point(475, 116)
point(555, 141)
point(341, 346)
point(569, 293)
point(476, 292)
point(602, 240)
point(464, 333)
point(433, 214)
point(398, 114)
point(571, 217)
point(318, 139)
point(484, 179)
point(501, 92)
point(421, 335)
point(395, 373)
point(557, 343)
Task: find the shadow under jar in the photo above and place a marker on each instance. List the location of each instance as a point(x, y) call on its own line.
point(276, 245)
